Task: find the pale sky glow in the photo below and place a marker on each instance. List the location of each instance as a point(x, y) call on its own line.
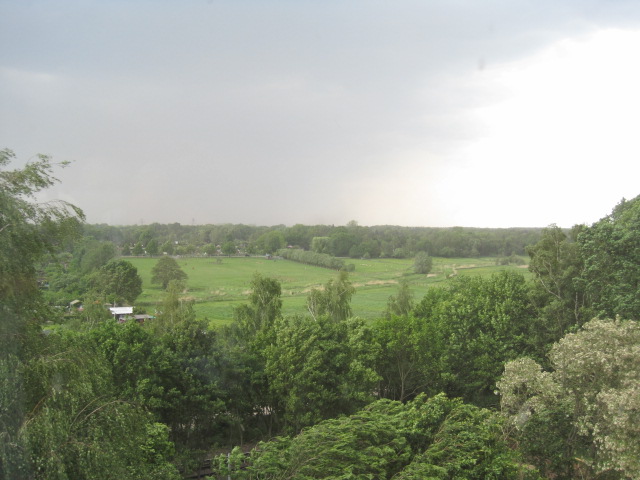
point(491, 114)
point(566, 131)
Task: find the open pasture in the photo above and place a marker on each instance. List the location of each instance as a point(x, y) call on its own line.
point(217, 285)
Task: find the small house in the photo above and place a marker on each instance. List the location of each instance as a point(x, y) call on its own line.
point(119, 313)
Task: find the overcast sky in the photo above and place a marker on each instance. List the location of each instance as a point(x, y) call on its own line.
point(427, 113)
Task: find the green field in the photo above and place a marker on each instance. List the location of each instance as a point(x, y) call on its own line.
point(217, 286)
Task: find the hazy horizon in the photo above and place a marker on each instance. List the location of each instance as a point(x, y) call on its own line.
point(476, 114)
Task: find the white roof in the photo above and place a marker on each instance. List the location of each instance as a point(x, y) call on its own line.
point(121, 310)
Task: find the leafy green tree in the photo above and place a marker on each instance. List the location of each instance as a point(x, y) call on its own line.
point(334, 300)
point(165, 270)
point(479, 323)
point(610, 249)
point(265, 304)
point(435, 438)
point(409, 357)
point(242, 364)
point(29, 230)
point(341, 242)
point(321, 245)
point(173, 308)
point(319, 369)
point(78, 428)
point(557, 292)
point(118, 281)
point(468, 444)
point(423, 263)
point(210, 249)
point(171, 371)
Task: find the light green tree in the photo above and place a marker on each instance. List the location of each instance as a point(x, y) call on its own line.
point(334, 300)
point(422, 263)
point(588, 403)
point(401, 304)
point(321, 245)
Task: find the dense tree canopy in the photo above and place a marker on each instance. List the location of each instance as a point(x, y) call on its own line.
point(479, 324)
point(434, 438)
point(610, 250)
point(118, 281)
point(586, 407)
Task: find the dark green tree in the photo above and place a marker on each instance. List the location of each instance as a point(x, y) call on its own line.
point(341, 243)
point(479, 323)
point(118, 281)
point(557, 292)
point(610, 249)
point(77, 427)
point(170, 370)
point(409, 357)
point(165, 270)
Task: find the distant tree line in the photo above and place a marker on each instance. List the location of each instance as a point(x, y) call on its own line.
point(352, 240)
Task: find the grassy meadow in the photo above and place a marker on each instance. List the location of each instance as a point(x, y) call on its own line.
point(218, 285)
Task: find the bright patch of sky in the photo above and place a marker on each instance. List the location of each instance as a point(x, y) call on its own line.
point(560, 145)
point(410, 113)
